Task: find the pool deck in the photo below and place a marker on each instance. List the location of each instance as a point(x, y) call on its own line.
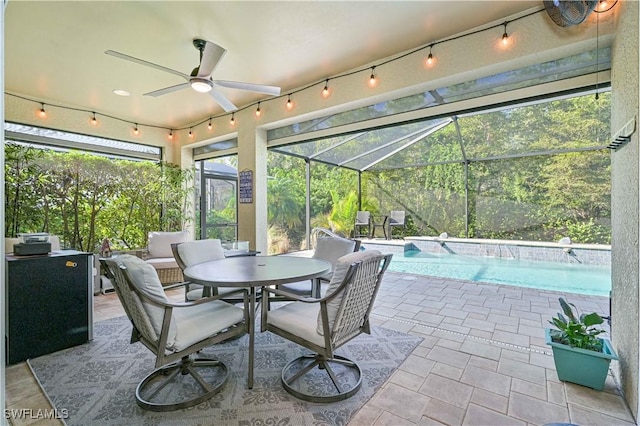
point(482, 361)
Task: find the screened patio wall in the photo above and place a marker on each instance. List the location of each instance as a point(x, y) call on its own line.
point(534, 172)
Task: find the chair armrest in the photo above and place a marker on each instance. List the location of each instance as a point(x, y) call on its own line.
point(244, 291)
point(176, 285)
point(288, 295)
point(165, 304)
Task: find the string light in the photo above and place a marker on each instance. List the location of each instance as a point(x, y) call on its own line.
point(505, 36)
point(190, 133)
point(325, 90)
point(135, 130)
point(430, 59)
point(506, 40)
point(232, 122)
point(373, 80)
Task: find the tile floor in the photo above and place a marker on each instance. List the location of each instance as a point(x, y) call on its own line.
point(483, 360)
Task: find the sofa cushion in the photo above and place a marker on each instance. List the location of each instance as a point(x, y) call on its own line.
point(160, 242)
point(338, 276)
point(162, 262)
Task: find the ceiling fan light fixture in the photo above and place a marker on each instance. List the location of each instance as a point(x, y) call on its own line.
point(201, 85)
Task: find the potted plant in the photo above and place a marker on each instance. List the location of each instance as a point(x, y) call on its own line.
point(580, 356)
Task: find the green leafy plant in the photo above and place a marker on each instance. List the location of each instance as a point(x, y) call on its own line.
point(578, 332)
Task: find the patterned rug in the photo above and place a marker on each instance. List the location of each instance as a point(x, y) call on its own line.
point(96, 382)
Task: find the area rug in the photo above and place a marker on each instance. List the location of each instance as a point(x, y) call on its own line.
point(95, 382)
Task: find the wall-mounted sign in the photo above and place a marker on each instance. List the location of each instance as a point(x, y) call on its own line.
point(246, 186)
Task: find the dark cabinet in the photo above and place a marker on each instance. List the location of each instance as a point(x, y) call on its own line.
point(49, 303)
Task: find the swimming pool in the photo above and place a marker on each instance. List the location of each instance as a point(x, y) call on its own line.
point(565, 277)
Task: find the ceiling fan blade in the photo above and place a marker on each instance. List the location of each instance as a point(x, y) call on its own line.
point(222, 100)
point(146, 63)
point(166, 90)
point(258, 88)
point(211, 56)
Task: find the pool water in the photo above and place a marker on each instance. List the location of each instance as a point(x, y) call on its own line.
point(565, 277)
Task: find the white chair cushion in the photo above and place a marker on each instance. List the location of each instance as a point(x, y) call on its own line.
point(146, 280)
point(163, 262)
point(195, 293)
point(160, 242)
point(194, 252)
point(196, 323)
point(338, 276)
point(333, 248)
point(299, 319)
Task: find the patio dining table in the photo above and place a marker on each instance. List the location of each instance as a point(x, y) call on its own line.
point(254, 272)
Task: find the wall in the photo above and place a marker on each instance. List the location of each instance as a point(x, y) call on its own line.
point(624, 204)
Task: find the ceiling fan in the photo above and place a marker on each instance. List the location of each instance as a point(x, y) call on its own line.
point(200, 78)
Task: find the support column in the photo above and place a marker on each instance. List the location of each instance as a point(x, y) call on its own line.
point(252, 217)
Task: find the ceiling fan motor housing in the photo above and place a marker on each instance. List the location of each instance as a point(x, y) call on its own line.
point(567, 13)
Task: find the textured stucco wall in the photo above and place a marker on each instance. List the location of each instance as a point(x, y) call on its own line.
point(625, 201)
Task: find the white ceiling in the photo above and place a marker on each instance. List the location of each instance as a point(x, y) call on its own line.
point(54, 51)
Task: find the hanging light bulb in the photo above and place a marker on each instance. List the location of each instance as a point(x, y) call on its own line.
point(289, 103)
point(210, 126)
point(135, 130)
point(232, 122)
point(190, 133)
point(373, 80)
point(430, 59)
point(505, 36)
point(325, 90)
point(94, 121)
point(170, 134)
point(42, 112)
point(258, 111)
point(605, 5)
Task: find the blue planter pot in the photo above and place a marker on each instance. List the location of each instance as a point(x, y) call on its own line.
point(581, 366)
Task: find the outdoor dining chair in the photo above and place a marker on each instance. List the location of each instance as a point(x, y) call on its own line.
point(329, 248)
point(324, 325)
point(190, 253)
point(363, 220)
point(396, 220)
point(175, 333)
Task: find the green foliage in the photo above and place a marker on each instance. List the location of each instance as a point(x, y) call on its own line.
point(345, 208)
point(84, 198)
point(578, 332)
